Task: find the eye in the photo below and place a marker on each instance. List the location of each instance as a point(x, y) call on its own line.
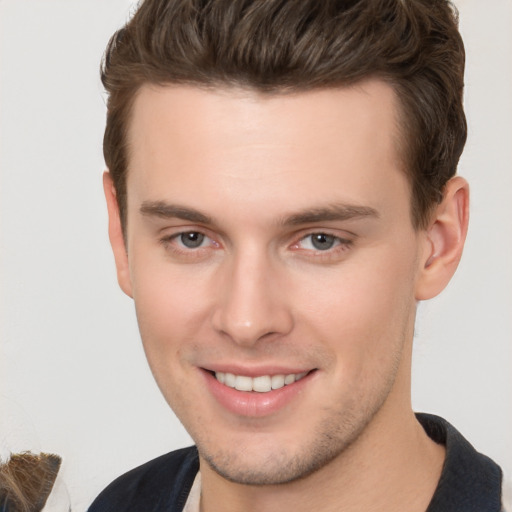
point(191, 239)
point(320, 241)
point(189, 246)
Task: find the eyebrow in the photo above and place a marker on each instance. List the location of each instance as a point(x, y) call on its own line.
point(339, 212)
point(169, 211)
point(333, 212)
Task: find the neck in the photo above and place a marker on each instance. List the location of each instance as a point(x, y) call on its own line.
point(395, 472)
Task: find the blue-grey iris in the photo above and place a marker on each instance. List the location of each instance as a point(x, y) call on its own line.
point(322, 241)
point(192, 239)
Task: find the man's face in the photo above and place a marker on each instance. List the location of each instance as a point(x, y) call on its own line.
point(270, 248)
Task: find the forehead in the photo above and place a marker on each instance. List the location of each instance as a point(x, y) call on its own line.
point(278, 149)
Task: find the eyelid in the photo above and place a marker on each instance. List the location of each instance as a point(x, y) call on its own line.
point(173, 231)
point(345, 237)
point(169, 238)
point(343, 244)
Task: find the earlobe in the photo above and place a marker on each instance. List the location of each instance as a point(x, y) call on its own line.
point(115, 233)
point(444, 241)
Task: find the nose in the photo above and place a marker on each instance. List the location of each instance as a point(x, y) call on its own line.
point(251, 301)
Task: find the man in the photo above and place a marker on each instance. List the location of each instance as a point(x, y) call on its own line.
point(281, 194)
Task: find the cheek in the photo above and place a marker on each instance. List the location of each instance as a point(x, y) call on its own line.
point(364, 312)
point(169, 315)
point(171, 307)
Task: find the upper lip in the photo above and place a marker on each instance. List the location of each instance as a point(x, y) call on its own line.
point(257, 371)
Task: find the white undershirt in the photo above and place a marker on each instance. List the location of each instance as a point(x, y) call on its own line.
point(194, 496)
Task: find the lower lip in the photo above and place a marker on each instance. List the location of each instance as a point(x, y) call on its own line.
point(252, 403)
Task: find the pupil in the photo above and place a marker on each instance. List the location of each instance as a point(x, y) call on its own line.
point(192, 239)
point(322, 242)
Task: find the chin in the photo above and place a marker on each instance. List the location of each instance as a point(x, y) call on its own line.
point(275, 463)
point(275, 470)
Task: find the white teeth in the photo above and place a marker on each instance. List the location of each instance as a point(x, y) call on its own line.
point(277, 381)
point(289, 379)
point(229, 380)
point(243, 383)
point(261, 384)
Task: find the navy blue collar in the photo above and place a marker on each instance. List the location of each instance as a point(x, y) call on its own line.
point(470, 481)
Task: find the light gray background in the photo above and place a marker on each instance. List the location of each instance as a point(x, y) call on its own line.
point(71, 363)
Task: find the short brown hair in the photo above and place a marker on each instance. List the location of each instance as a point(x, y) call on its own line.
point(276, 46)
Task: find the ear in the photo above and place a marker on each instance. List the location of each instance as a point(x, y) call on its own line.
point(444, 240)
point(115, 233)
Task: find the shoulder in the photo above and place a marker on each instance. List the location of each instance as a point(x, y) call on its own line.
point(161, 484)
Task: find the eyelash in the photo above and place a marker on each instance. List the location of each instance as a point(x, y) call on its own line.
point(341, 245)
point(169, 243)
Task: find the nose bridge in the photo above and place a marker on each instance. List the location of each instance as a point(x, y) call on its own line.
point(250, 304)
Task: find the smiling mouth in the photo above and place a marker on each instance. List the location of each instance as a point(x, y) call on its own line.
point(260, 384)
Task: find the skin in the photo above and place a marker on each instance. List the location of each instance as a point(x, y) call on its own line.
point(247, 172)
